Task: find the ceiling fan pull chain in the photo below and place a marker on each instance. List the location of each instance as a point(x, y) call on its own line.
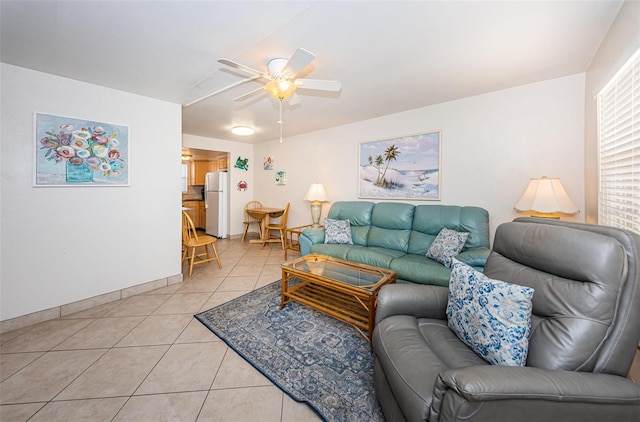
point(280, 121)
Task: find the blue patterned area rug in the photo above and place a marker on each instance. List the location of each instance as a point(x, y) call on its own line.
point(312, 357)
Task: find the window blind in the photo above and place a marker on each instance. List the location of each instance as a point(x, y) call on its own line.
point(619, 148)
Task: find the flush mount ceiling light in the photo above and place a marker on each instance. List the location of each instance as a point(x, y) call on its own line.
point(242, 131)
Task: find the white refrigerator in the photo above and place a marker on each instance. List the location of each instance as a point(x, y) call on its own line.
point(216, 199)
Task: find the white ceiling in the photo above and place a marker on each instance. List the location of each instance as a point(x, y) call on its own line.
point(391, 56)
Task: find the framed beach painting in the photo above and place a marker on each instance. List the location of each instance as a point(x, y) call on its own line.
point(407, 167)
point(78, 152)
point(281, 177)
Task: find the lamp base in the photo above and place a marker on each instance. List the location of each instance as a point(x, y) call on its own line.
point(316, 210)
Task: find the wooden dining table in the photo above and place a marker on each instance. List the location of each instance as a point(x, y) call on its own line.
point(264, 214)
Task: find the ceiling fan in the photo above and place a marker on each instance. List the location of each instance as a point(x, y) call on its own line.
point(280, 78)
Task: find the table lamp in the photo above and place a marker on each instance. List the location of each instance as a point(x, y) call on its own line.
point(317, 195)
point(546, 197)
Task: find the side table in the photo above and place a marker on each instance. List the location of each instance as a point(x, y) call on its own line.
point(291, 238)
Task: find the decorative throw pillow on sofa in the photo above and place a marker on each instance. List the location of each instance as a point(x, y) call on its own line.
point(492, 317)
point(446, 246)
point(337, 231)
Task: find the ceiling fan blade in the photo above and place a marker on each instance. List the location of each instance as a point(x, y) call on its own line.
point(300, 59)
point(248, 94)
point(294, 99)
point(226, 88)
point(244, 68)
point(318, 84)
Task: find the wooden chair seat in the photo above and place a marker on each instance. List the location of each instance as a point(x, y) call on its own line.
point(191, 241)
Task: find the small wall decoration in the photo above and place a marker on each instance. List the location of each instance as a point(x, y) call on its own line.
point(242, 163)
point(242, 185)
point(281, 177)
point(77, 152)
point(401, 168)
point(268, 163)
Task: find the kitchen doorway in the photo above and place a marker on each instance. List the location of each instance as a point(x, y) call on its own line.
point(196, 164)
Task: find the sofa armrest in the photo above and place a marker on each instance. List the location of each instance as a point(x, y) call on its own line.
point(475, 257)
point(309, 237)
point(315, 234)
point(420, 301)
point(531, 389)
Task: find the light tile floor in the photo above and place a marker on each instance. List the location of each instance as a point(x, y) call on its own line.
point(146, 358)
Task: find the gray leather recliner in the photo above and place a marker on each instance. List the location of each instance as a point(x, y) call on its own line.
point(585, 328)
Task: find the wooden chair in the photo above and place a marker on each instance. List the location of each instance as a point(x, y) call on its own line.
point(281, 226)
point(191, 241)
point(248, 220)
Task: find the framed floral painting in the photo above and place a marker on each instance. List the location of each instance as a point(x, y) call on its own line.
point(77, 152)
point(407, 167)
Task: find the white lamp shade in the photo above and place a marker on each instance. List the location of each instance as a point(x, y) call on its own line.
point(546, 196)
point(316, 192)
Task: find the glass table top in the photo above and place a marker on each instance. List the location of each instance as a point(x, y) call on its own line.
point(352, 273)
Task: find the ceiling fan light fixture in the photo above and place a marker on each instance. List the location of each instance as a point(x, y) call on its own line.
point(242, 131)
point(280, 88)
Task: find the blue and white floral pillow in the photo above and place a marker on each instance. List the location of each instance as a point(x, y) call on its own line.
point(492, 317)
point(446, 246)
point(337, 231)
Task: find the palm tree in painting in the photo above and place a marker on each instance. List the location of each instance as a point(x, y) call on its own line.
point(390, 154)
point(379, 161)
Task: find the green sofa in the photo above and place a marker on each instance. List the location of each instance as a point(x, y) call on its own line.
point(397, 236)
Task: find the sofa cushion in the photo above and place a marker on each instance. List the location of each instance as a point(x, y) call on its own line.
point(388, 238)
point(446, 246)
point(428, 220)
point(357, 212)
point(492, 317)
point(359, 215)
point(391, 226)
point(337, 231)
point(334, 250)
point(419, 269)
point(392, 215)
point(420, 242)
point(378, 257)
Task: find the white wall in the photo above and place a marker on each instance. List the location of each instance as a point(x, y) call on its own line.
point(492, 145)
point(237, 198)
point(64, 244)
point(622, 40)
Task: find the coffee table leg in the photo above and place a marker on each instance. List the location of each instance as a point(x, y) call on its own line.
point(372, 315)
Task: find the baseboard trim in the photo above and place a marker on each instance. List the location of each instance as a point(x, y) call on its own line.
point(84, 304)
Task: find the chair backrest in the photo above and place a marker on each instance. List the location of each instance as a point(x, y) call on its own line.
point(188, 229)
point(586, 304)
point(283, 219)
point(251, 205)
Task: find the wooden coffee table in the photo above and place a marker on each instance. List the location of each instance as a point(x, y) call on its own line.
point(343, 289)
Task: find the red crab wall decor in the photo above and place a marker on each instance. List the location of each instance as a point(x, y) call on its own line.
point(242, 185)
